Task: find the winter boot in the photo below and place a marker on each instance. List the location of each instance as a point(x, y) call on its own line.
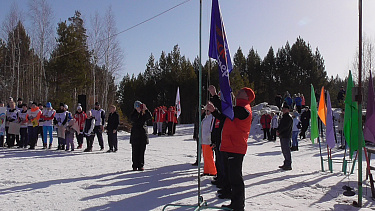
point(44, 145)
point(79, 146)
point(62, 146)
point(59, 147)
point(50, 146)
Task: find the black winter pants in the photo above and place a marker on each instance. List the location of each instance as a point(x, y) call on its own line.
point(112, 140)
point(234, 175)
point(138, 155)
point(99, 135)
point(285, 149)
point(266, 133)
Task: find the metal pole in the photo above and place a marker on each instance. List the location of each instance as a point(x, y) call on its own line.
point(360, 108)
point(200, 103)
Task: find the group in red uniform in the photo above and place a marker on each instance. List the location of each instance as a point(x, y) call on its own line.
point(163, 119)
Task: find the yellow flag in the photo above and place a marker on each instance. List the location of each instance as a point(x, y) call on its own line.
point(35, 122)
point(322, 110)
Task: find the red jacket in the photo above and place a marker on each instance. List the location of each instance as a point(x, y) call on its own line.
point(172, 116)
point(81, 118)
point(160, 115)
point(235, 133)
point(265, 120)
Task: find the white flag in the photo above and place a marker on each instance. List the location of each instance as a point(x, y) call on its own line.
point(178, 102)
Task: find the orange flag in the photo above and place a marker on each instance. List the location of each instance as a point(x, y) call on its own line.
point(322, 110)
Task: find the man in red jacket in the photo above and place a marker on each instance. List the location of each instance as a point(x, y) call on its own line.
point(265, 120)
point(234, 146)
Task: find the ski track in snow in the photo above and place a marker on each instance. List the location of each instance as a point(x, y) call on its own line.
point(59, 180)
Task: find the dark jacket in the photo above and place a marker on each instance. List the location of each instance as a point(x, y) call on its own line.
point(139, 134)
point(113, 122)
point(285, 126)
point(218, 127)
point(305, 118)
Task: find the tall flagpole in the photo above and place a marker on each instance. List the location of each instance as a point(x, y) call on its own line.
point(360, 139)
point(200, 102)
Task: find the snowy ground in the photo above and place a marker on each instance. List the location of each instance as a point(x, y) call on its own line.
point(59, 180)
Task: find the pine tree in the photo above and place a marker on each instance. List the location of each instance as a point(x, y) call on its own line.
point(69, 67)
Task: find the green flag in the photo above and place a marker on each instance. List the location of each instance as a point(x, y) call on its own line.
point(351, 118)
point(314, 116)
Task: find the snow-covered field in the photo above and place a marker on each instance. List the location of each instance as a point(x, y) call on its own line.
point(59, 180)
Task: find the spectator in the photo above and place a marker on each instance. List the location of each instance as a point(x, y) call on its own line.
point(305, 121)
point(265, 120)
point(295, 131)
point(47, 115)
point(99, 115)
point(113, 122)
point(274, 125)
point(284, 132)
point(80, 116)
point(139, 134)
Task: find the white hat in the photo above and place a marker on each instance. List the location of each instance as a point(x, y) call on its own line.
point(66, 106)
point(79, 107)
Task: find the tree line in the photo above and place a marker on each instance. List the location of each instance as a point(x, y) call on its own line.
point(44, 64)
point(292, 68)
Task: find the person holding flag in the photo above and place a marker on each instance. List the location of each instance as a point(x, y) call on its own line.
point(235, 134)
point(237, 120)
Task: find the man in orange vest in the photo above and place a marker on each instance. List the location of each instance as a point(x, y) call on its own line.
point(234, 146)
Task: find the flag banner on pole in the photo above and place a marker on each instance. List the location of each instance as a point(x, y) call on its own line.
point(351, 118)
point(314, 116)
point(178, 103)
point(330, 136)
point(219, 50)
point(322, 110)
point(369, 131)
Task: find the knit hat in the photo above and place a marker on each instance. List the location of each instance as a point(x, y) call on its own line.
point(61, 104)
point(48, 105)
point(250, 94)
point(137, 104)
point(66, 106)
point(97, 104)
point(79, 107)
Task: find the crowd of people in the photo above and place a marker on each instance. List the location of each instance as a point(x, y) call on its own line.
point(25, 122)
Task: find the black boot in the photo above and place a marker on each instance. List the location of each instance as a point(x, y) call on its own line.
point(59, 147)
point(50, 146)
point(44, 145)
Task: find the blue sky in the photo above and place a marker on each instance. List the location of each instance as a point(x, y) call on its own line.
point(332, 26)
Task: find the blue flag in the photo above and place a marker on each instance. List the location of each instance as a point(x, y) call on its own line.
point(219, 50)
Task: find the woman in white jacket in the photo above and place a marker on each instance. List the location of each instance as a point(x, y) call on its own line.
point(209, 168)
point(274, 125)
point(295, 131)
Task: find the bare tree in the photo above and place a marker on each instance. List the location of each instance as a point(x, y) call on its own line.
point(8, 32)
point(95, 41)
point(113, 55)
point(42, 21)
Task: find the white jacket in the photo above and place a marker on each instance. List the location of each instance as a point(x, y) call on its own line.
point(275, 122)
point(295, 123)
point(207, 124)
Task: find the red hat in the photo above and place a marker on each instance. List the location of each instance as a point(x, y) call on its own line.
point(250, 94)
